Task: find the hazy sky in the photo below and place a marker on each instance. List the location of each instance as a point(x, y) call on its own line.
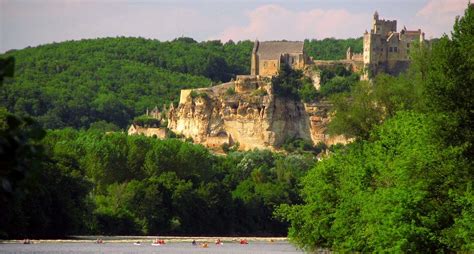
point(32, 22)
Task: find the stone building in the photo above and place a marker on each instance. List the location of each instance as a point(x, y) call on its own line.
point(268, 56)
point(136, 129)
point(385, 49)
point(151, 128)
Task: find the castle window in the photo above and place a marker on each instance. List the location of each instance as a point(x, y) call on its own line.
point(395, 49)
point(390, 49)
point(381, 49)
point(408, 45)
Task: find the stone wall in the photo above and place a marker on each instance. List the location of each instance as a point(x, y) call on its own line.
point(147, 131)
point(268, 67)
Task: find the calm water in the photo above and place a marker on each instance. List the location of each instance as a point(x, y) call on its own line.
point(129, 248)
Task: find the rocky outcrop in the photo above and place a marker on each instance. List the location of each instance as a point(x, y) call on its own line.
point(246, 111)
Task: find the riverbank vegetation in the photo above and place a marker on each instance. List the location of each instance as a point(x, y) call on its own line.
point(89, 182)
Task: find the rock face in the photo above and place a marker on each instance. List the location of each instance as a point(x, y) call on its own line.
point(246, 111)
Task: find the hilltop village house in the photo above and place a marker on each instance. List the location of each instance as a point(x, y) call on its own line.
point(386, 50)
point(151, 128)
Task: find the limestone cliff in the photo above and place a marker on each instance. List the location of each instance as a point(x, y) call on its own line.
point(246, 111)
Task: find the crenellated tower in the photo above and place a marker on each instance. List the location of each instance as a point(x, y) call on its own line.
point(385, 49)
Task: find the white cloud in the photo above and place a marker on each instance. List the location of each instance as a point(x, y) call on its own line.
point(26, 23)
point(274, 22)
point(437, 16)
point(437, 8)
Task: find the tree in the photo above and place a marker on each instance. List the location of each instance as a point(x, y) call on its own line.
point(369, 104)
point(287, 83)
point(449, 79)
point(383, 195)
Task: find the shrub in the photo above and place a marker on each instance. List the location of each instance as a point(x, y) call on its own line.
point(146, 121)
point(230, 91)
point(259, 92)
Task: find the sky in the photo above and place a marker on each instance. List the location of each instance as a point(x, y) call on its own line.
point(26, 23)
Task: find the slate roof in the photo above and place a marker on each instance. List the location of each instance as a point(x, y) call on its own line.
point(270, 50)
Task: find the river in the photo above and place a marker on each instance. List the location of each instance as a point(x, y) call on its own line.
point(147, 248)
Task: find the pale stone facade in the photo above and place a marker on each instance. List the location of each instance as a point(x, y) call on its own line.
point(268, 56)
point(150, 130)
point(147, 131)
point(385, 49)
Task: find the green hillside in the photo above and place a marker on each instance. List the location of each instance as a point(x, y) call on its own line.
point(78, 83)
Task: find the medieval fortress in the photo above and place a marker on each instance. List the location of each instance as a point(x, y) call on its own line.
point(245, 111)
point(385, 49)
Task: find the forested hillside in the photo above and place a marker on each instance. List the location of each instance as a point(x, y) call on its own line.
point(77, 83)
point(112, 80)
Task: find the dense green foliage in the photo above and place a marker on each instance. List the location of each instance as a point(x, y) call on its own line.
point(333, 83)
point(397, 192)
point(406, 183)
point(292, 84)
point(368, 104)
point(332, 49)
point(287, 83)
point(77, 83)
point(145, 120)
point(96, 183)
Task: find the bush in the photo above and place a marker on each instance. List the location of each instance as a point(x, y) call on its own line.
point(230, 91)
point(202, 95)
point(339, 84)
point(147, 121)
point(297, 145)
point(308, 92)
point(287, 83)
point(259, 92)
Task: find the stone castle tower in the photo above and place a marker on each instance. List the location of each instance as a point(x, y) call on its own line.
point(385, 49)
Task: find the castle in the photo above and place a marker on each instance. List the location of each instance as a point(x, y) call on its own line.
point(245, 111)
point(385, 49)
